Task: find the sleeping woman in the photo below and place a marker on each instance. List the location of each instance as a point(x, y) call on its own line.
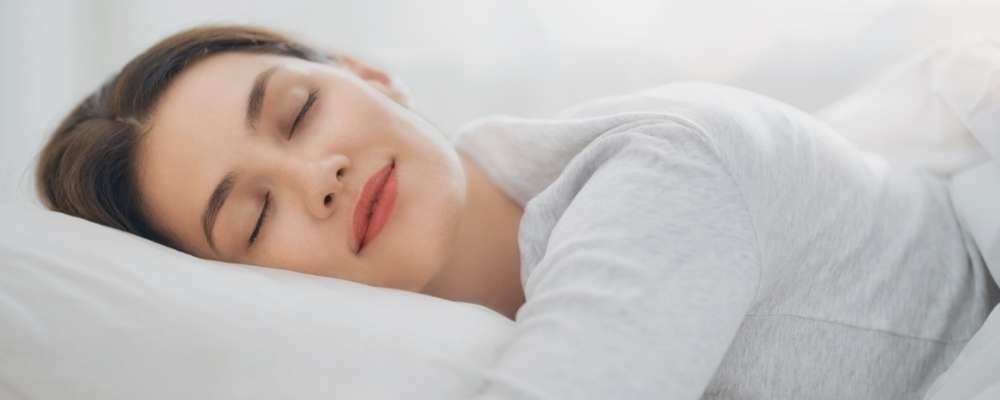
point(688, 241)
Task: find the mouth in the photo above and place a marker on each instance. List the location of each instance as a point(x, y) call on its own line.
point(374, 205)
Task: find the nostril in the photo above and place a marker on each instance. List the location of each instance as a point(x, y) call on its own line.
point(327, 199)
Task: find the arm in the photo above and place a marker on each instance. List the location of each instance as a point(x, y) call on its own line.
point(641, 266)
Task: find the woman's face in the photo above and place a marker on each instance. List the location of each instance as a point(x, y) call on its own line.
point(209, 135)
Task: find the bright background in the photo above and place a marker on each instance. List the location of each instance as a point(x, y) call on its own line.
point(464, 59)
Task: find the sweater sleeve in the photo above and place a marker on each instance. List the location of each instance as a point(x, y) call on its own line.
point(639, 264)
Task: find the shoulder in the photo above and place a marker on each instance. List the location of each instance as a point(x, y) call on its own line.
point(731, 118)
point(689, 97)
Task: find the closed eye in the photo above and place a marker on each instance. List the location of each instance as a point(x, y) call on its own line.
point(302, 113)
point(260, 219)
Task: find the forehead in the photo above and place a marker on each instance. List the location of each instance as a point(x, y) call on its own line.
point(194, 137)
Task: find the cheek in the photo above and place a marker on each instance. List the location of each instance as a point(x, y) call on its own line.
point(360, 110)
point(299, 246)
point(424, 238)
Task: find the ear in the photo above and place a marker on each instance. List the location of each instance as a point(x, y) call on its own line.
point(379, 79)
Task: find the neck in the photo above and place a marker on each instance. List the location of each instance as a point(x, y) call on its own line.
point(486, 266)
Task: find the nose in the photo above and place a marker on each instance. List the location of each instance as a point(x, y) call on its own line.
point(322, 185)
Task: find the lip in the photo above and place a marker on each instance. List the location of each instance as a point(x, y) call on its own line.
point(365, 228)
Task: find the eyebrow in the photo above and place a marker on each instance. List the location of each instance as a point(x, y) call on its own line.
point(215, 203)
point(255, 102)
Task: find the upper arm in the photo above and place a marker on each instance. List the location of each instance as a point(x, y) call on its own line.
point(643, 266)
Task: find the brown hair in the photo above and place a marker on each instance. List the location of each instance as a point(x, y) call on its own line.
point(88, 166)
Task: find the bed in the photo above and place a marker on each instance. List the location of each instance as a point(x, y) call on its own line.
point(145, 321)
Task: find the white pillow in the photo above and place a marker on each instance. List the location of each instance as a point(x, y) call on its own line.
point(88, 312)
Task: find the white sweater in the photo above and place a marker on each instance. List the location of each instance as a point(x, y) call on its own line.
point(701, 241)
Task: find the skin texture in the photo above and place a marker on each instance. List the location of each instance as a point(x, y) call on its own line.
point(452, 232)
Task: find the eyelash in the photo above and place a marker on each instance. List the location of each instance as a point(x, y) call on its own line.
point(260, 220)
point(305, 108)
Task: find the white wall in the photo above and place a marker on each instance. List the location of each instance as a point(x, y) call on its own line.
point(463, 59)
point(47, 64)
